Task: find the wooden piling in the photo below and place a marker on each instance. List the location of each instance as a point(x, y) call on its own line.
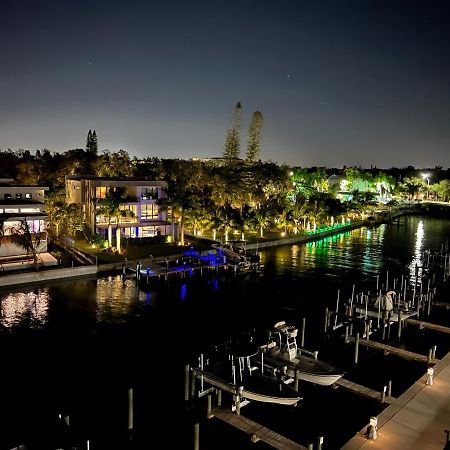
point(130, 410)
point(187, 371)
point(325, 328)
point(197, 436)
point(356, 348)
point(303, 332)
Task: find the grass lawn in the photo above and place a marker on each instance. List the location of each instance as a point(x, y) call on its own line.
point(135, 252)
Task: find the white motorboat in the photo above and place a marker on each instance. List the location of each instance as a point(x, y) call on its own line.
point(282, 348)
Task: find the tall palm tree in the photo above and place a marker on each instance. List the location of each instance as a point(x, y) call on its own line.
point(23, 236)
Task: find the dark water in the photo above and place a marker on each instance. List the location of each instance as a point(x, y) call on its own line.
point(75, 347)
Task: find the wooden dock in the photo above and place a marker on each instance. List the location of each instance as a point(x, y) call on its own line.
point(362, 390)
point(428, 325)
point(257, 431)
point(414, 421)
point(405, 354)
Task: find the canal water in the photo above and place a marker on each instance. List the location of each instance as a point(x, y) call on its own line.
point(75, 347)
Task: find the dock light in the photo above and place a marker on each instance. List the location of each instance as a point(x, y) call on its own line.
point(283, 234)
point(430, 374)
point(373, 428)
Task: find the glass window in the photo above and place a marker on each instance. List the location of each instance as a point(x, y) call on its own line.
point(149, 212)
point(148, 231)
point(7, 196)
point(11, 211)
point(18, 196)
point(149, 193)
point(30, 210)
point(28, 195)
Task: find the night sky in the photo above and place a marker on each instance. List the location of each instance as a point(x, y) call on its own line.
point(339, 83)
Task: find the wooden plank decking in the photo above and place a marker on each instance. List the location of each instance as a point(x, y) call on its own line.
point(362, 390)
point(416, 420)
point(406, 354)
point(428, 325)
point(255, 430)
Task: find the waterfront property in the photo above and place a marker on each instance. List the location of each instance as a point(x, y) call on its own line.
point(22, 211)
point(140, 198)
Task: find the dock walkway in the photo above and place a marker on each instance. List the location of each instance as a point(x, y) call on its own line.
point(417, 420)
point(362, 390)
point(428, 325)
point(255, 430)
point(406, 354)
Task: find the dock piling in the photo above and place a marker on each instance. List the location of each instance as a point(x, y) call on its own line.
point(356, 348)
point(186, 382)
point(197, 436)
point(389, 389)
point(130, 410)
point(303, 331)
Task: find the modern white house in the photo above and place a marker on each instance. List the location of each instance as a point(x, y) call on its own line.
point(19, 203)
point(141, 197)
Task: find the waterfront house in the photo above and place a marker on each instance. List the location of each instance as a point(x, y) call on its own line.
point(141, 197)
point(20, 203)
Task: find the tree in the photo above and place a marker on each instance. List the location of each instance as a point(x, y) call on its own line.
point(254, 137)
point(232, 145)
point(92, 143)
point(23, 236)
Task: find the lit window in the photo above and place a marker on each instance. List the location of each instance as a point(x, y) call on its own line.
point(7, 196)
point(28, 195)
point(18, 196)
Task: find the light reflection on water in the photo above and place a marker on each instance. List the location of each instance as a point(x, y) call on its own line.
point(116, 298)
point(18, 307)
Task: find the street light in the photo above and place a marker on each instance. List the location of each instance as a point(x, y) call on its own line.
point(426, 176)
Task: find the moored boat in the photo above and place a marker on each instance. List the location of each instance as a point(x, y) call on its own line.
point(282, 348)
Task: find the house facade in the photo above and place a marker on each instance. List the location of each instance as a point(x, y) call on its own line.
point(18, 203)
point(141, 197)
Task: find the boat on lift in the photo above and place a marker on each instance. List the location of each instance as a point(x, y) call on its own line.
point(282, 348)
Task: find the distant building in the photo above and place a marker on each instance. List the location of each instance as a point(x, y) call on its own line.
point(141, 197)
point(18, 203)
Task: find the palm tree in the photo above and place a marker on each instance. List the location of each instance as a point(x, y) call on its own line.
point(262, 220)
point(23, 236)
point(111, 208)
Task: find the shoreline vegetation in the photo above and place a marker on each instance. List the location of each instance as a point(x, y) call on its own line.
point(199, 243)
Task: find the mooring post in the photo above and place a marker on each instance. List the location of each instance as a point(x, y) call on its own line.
point(319, 443)
point(399, 331)
point(356, 348)
point(430, 355)
point(389, 325)
point(430, 374)
point(193, 378)
point(433, 354)
point(383, 394)
point(187, 371)
point(303, 331)
point(372, 432)
point(130, 411)
point(346, 334)
point(219, 397)
point(88, 445)
point(209, 415)
point(326, 321)
point(310, 446)
point(296, 378)
point(238, 400)
point(197, 436)
point(389, 390)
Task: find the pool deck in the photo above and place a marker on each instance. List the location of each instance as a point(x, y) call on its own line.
point(416, 420)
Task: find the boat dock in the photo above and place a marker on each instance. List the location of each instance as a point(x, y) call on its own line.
point(428, 325)
point(364, 391)
point(405, 354)
point(257, 431)
point(416, 420)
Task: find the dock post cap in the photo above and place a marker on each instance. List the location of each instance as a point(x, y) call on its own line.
point(430, 374)
point(371, 432)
